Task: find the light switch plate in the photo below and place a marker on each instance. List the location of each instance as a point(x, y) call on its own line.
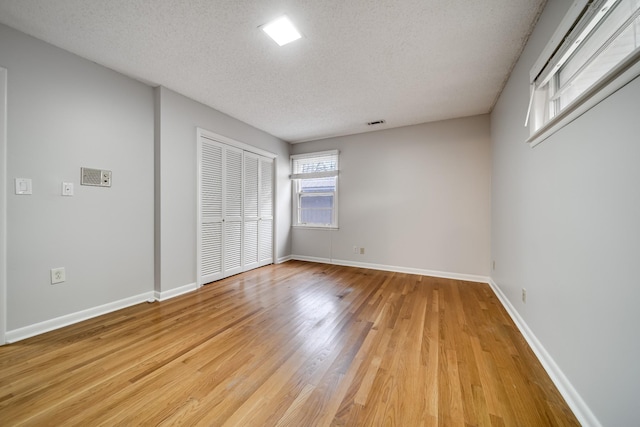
point(67, 188)
point(24, 186)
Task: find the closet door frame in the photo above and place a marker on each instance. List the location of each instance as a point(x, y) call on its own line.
point(212, 136)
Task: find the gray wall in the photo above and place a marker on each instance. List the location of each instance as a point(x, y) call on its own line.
point(176, 182)
point(415, 197)
point(566, 226)
point(3, 204)
point(65, 112)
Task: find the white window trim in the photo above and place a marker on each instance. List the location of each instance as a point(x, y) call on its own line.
point(295, 206)
point(315, 154)
point(607, 85)
point(615, 79)
point(557, 38)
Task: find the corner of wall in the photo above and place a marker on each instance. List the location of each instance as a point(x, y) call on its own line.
point(3, 204)
point(157, 211)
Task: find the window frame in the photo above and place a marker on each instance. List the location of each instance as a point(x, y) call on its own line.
point(297, 194)
point(577, 18)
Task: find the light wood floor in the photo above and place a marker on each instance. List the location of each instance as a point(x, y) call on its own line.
point(295, 344)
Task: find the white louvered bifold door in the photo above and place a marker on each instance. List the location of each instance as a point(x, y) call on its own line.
point(235, 217)
point(251, 213)
point(210, 244)
point(232, 211)
point(265, 206)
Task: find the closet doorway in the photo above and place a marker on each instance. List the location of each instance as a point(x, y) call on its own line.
point(235, 207)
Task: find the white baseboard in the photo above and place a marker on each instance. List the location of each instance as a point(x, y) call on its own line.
point(566, 389)
point(311, 259)
point(69, 319)
point(172, 293)
point(284, 259)
point(397, 269)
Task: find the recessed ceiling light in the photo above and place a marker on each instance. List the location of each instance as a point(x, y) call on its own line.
point(281, 30)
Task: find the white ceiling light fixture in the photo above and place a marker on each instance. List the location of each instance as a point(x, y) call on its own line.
point(281, 30)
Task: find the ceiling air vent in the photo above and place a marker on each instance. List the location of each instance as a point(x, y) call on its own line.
point(377, 122)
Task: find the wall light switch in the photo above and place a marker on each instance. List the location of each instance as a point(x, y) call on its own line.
point(23, 186)
point(67, 188)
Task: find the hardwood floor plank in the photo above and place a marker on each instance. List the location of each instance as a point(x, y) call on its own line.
point(295, 344)
point(430, 355)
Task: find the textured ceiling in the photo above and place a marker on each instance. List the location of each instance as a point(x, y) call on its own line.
point(407, 62)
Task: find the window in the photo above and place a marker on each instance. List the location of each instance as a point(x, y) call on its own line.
point(594, 52)
point(315, 187)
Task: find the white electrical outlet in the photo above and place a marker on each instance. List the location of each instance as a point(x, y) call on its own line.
point(355, 249)
point(58, 275)
point(524, 295)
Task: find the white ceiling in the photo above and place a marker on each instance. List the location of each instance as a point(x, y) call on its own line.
point(404, 61)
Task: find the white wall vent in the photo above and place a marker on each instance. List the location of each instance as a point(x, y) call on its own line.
point(95, 177)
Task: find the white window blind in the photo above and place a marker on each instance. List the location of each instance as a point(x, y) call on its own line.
point(314, 165)
point(315, 177)
point(594, 52)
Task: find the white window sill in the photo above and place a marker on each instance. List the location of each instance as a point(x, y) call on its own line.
point(315, 227)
